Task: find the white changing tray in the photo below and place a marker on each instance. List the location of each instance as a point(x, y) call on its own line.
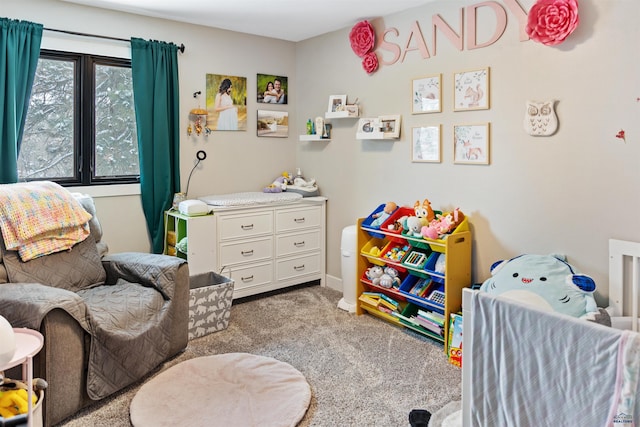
point(249, 198)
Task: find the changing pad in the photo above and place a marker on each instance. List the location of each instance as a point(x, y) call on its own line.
point(249, 198)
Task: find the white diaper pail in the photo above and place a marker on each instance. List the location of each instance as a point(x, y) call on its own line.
point(7, 342)
point(349, 269)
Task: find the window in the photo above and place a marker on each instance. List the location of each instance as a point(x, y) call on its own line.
point(80, 127)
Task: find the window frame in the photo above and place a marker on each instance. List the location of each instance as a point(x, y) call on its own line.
point(85, 119)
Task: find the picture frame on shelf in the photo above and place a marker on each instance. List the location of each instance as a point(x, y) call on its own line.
point(426, 144)
point(353, 110)
point(369, 127)
point(390, 126)
point(471, 143)
point(426, 94)
point(471, 90)
point(337, 103)
point(272, 124)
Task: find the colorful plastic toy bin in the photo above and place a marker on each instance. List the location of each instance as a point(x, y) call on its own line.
point(391, 292)
point(463, 226)
point(416, 258)
point(430, 267)
point(373, 249)
point(399, 213)
point(420, 290)
point(367, 223)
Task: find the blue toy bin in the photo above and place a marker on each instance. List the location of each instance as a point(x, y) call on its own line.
point(430, 267)
point(371, 229)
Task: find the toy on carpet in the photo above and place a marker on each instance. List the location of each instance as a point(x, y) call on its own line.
point(548, 282)
point(382, 216)
point(14, 396)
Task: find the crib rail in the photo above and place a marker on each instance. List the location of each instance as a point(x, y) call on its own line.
point(624, 284)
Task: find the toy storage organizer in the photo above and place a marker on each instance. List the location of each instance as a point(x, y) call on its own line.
point(424, 288)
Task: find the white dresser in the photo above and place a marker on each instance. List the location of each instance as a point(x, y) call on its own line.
point(262, 248)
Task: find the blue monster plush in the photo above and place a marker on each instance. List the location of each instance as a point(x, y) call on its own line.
point(544, 281)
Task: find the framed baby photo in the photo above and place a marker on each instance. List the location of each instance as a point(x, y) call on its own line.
point(390, 126)
point(471, 90)
point(369, 128)
point(426, 94)
point(426, 143)
point(471, 144)
point(272, 124)
point(337, 103)
point(272, 89)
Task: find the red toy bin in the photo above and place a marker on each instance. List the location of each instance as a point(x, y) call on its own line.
point(397, 247)
point(397, 231)
point(391, 292)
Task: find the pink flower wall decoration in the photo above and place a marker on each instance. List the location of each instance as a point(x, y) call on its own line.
point(370, 62)
point(362, 38)
point(550, 22)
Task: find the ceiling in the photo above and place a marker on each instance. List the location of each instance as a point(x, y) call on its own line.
point(292, 20)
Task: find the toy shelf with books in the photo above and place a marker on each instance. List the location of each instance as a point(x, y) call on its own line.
point(429, 275)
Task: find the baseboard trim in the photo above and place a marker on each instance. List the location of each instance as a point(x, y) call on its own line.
point(334, 283)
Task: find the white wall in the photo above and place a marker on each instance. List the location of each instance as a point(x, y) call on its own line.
point(237, 161)
point(568, 193)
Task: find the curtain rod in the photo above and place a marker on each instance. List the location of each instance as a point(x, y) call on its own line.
point(180, 48)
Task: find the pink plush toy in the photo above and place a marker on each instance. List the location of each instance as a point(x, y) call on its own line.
point(442, 224)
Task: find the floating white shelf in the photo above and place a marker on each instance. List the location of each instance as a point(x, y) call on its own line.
point(313, 138)
point(365, 135)
point(338, 115)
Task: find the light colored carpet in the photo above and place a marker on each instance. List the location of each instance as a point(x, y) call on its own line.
point(225, 390)
point(362, 371)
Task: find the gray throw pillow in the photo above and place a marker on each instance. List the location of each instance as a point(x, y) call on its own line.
point(76, 269)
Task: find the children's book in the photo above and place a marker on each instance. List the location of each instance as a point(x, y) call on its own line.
point(455, 340)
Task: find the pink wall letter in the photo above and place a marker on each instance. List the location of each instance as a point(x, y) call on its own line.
point(521, 14)
point(422, 47)
point(472, 16)
point(391, 47)
point(455, 39)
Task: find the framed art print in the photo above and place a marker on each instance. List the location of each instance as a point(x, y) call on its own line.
point(226, 102)
point(390, 126)
point(471, 90)
point(471, 144)
point(272, 89)
point(426, 94)
point(426, 144)
point(273, 124)
point(337, 103)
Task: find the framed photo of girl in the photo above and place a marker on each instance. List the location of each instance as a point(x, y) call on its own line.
point(272, 89)
point(226, 102)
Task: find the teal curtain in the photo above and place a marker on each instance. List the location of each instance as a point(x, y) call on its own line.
point(154, 66)
point(19, 53)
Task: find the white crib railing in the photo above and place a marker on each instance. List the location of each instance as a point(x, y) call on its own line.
point(624, 284)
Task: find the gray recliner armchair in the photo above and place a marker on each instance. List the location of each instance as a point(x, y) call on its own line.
point(108, 320)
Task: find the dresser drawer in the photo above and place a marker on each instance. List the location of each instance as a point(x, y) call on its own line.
point(292, 244)
point(297, 219)
point(290, 268)
point(250, 276)
point(237, 252)
point(239, 226)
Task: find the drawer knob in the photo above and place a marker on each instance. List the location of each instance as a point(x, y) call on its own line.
point(247, 253)
point(298, 244)
point(298, 267)
point(298, 219)
point(247, 227)
point(247, 279)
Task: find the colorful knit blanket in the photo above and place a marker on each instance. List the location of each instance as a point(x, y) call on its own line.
point(39, 218)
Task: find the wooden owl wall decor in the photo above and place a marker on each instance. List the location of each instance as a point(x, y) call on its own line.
point(540, 118)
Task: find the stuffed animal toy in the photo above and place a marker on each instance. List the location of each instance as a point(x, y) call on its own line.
point(279, 185)
point(424, 211)
point(548, 282)
point(383, 215)
point(442, 224)
point(390, 278)
point(14, 396)
point(374, 273)
point(412, 226)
